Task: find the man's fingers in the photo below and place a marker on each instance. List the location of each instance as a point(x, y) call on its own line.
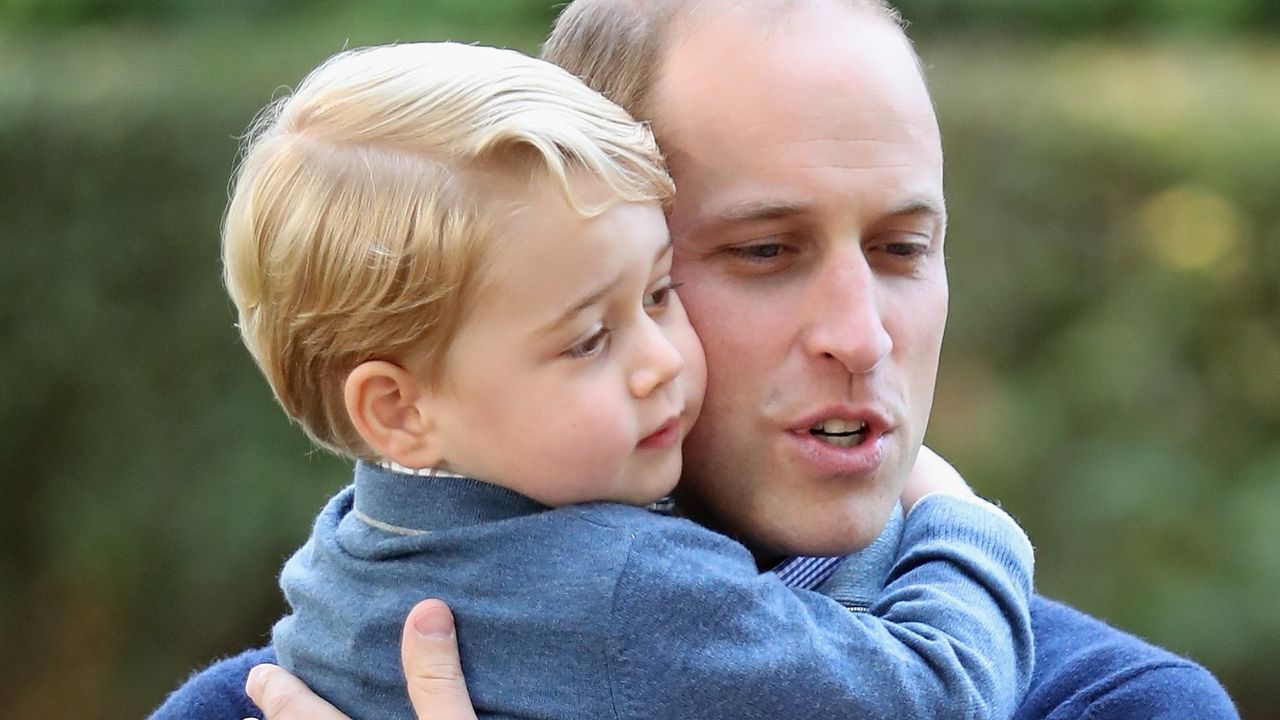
point(429, 650)
point(432, 670)
point(283, 696)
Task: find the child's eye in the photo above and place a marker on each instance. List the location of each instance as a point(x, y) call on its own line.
point(593, 345)
point(660, 297)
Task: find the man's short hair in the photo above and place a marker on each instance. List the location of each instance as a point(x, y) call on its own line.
point(618, 46)
point(358, 218)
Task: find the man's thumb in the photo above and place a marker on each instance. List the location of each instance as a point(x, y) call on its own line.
point(432, 668)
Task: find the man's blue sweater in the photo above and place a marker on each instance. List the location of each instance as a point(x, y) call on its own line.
point(1084, 669)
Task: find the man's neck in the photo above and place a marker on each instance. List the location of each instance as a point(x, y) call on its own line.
point(766, 561)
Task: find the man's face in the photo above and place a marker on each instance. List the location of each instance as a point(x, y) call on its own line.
point(808, 226)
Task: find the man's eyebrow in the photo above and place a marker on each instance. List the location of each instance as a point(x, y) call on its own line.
point(758, 210)
point(776, 210)
point(919, 206)
point(594, 296)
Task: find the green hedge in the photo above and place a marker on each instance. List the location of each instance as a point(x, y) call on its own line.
point(1060, 17)
point(1077, 17)
point(1113, 360)
point(1111, 370)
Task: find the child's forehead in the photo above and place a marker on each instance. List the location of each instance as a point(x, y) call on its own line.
point(527, 184)
point(531, 223)
point(542, 248)
point(527, 217)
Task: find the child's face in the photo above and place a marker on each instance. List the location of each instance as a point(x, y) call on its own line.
point(576, 375)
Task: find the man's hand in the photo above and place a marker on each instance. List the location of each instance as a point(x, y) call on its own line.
point(432, 669)
point(283, 696)
point(932, 474)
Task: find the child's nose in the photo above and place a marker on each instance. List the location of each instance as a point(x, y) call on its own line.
point(658, 361)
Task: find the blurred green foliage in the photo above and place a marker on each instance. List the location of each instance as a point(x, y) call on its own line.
point(79, 13)
point(1112, 366)
point(1073, 17)
point(1111, 372)
point(1056, 17)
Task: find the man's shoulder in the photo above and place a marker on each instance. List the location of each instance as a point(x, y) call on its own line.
point(216, 692)
point(1086, 669)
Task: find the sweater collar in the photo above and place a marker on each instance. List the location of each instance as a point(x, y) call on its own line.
point(408, 504)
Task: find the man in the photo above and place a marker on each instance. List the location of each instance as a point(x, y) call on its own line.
point(808, 225)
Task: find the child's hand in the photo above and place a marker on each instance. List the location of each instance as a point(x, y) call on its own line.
point(932, 474)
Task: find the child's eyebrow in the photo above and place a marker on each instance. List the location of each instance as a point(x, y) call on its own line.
point(578, 307)
point(595, 296)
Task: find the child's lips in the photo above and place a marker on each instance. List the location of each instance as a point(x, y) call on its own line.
point(666, 436)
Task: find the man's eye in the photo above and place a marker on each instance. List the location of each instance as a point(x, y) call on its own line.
point(761, 251)
point(907, 249)
point(593, 345)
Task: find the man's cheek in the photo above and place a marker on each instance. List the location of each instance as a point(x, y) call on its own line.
point(713, 314)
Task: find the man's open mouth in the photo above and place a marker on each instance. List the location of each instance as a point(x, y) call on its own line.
point(841, 433)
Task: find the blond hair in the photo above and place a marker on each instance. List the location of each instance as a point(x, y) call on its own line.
point(619, 46)
point(356, 226)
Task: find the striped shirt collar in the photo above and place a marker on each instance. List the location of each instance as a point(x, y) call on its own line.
point(806, 573)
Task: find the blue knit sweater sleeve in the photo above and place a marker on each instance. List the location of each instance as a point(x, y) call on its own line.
point(697, 633)
point(217, 692)
point(1088, 670)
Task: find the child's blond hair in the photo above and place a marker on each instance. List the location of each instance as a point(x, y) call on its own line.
point(356, 225)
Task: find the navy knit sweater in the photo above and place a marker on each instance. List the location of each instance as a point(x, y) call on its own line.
point(1084, 669)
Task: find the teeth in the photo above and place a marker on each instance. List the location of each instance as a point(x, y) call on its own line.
point(838, 427)
point(841, 441)
point(840, 433)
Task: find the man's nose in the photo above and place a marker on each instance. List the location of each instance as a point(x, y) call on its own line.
point(657, 361)
point(845, 317)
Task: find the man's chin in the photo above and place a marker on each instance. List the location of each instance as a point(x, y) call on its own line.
point(790, 521)
point(813, 534)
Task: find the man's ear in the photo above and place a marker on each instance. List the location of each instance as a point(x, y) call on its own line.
point(391, 410)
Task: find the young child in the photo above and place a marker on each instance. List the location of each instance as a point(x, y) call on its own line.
point(452, 265)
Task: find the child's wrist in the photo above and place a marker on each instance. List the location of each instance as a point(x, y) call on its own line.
point(969, 497)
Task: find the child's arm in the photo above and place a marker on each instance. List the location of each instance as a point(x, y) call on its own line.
point(932, 474)
point(699, 633)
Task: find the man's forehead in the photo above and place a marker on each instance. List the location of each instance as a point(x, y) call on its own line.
point(732, 66)
point(770, 16)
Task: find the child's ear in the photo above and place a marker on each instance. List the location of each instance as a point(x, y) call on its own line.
point(391, 410)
